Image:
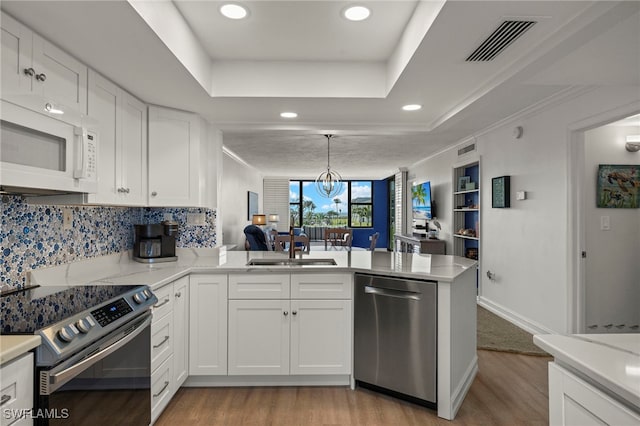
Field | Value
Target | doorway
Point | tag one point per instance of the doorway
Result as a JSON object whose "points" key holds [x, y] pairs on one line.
{"points": [[605, 239]]}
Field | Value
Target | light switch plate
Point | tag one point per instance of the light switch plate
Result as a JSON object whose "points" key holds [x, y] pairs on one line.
{"points": [[167, 216], [67, 218], [605, 223], [521, 195]]}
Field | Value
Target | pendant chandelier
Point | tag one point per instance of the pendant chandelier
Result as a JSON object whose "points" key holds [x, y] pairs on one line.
{"points": [[329, 183]]}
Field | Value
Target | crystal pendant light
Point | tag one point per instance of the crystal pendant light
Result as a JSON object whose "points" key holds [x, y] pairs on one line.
{"points": [[329, 183]]}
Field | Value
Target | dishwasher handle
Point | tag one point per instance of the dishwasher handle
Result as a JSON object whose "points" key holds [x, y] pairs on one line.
{"points": [[398, 294]]}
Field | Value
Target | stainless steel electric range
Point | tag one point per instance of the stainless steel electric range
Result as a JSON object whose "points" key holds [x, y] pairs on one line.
{"points": [[93, 366]]}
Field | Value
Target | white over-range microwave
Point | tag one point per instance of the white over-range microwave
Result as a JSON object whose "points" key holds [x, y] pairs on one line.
{"points": [[39, 153]]}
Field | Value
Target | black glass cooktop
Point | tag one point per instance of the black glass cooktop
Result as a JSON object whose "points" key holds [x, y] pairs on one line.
{"points": [[28, 310]]}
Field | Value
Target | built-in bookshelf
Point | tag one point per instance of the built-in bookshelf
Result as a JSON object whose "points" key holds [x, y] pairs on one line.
{"points": [[466, 210]]}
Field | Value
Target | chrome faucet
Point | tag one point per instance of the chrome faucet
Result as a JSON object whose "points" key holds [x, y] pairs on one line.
{"points": [[292, 244]]}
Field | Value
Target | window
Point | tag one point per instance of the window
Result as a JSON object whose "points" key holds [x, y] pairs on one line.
{"points": [[294, 202], [361, 207], [353, 207]]}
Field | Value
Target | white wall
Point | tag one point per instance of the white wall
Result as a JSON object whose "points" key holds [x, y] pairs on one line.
{"points": [[612, 267], [237, 180], [526, 246]]}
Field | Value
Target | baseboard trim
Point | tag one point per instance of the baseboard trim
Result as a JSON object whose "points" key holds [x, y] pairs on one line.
{"points": [[229, 381], [518, 320], [464, 386]]}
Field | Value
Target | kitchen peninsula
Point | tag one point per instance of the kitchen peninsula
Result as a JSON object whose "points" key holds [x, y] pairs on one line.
{"points": [[216, 280]]}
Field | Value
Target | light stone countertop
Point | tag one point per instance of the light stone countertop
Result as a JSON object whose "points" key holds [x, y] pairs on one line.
{"points": [[12, 347], [121, 269], [611, 360]]}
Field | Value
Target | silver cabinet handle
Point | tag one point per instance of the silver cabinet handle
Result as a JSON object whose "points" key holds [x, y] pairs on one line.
{"points": [[127, 190], [294, 312], [161, 343], [164, 302], [178, 294], [41, 77], [121, 190], [285, 313], [30, 72], [5, 399], [155, 395], [154, 193]]}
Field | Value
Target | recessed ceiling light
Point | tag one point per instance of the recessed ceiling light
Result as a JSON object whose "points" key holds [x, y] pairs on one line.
{"points": [[288, 114], [356, 13], [412, 107], [234, 11]]}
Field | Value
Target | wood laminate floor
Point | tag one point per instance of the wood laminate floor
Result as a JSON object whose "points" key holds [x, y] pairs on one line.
{"points": [[509, 389]]}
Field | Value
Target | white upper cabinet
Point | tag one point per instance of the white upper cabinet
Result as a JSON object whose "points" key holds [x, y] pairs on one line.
{"points": [[35, 72], [180, 150], [122, 159]]}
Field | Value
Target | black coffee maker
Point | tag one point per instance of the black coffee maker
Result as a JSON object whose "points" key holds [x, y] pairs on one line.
{"points": [[155, 242]]}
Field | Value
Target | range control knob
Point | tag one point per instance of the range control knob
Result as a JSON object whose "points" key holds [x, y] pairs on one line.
{"points": [[66, 334], [147, 293], [139, 297], [83, 325]]}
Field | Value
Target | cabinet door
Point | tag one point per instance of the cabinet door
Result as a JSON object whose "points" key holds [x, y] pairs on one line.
{"points": [[572, 402], [173, 157], [161, 388], [180, 331], [132, 164], [103, 106], [17, 390], [17, 41], [208, 325], [64, 78], [321, 336], [161, 340], [258, 337]]}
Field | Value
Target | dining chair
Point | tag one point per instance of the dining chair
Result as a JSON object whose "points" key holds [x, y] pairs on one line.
{"points": [[374, 240]]}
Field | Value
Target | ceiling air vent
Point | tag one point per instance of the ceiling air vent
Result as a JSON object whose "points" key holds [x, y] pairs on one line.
{"points": [[502, 37], [466, 149]]}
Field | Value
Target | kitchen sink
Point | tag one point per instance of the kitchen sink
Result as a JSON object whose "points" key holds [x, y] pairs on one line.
{"points": [[292, 262]]}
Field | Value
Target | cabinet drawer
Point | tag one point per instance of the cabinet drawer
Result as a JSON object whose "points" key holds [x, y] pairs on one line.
{"points": [[161, 341], [17, 388], [259, 286], [321, 286], [161, 388], [164, 305]]}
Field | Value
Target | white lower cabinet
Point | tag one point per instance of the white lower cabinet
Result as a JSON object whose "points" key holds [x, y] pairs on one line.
{"points": [[574, 402], [161, 389], [291, 336], [169, 343], [16, 390], [208, 325], [258, 337], [320, 337]]}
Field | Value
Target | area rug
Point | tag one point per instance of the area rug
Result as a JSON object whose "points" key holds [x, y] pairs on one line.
{"points": [[497, 334]]}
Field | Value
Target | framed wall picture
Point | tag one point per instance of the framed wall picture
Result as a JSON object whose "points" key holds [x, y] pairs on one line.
{"points": [[500, 188], [252, 204], [463, 181], [618, 186]]}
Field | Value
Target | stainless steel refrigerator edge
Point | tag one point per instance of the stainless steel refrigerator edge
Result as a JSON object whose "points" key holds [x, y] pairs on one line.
{"points": [[395, 343]]}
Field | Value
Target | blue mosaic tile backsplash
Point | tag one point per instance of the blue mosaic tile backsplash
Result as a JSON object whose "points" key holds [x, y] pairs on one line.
{"points": [[32, 236]]}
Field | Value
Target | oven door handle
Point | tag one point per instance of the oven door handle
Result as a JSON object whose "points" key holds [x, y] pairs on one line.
{"points": [[60, 378]]}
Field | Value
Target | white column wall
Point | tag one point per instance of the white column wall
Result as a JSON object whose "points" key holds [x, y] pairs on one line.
{"points": [[237, 180]]}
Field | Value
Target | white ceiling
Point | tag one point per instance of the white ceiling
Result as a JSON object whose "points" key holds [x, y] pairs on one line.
{"points": [[345, 78]]}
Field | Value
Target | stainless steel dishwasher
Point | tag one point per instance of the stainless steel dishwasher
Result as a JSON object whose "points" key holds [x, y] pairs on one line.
{"points": [[395, 337]]}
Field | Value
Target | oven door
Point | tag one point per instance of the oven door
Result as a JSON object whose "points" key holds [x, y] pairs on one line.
{"points": [[108, 383]]}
